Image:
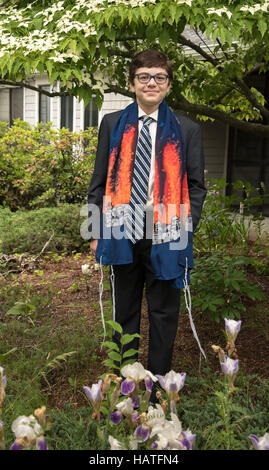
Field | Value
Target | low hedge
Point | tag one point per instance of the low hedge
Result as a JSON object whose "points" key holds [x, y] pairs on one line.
{"points": [[28, 231]]}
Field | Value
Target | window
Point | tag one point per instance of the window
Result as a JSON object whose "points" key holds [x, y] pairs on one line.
{"points": [[11, 104], [44, 105], [67, 112], [249, 162], [91, 114]]}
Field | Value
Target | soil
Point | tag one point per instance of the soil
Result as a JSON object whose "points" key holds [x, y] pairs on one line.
{"points": [[252, 342]]}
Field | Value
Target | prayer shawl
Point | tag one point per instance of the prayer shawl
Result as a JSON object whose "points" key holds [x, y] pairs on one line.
{"points": [[171, 252]]}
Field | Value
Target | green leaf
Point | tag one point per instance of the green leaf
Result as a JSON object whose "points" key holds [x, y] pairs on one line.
{"points": [[109, 363], [157, 11], [116, 326], [114, 355], [111, 345], [99, 100], [110, 34], [103, 50], [92, 48], [125, 339], [104, 410], [20, 308], [164, 38], [129, 353], [151, 32], [73, 44], [77, 74], [262, 26]]}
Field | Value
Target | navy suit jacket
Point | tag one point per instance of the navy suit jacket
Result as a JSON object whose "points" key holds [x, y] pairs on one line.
{"points": [[192, 136]]}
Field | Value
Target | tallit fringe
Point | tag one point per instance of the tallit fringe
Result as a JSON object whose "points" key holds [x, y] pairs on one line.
{"points": [[187, 295]]}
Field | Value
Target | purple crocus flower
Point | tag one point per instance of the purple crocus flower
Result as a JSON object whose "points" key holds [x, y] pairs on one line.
{"points": [[260, 443], [142, 432], [16, 446], [41, 443], [172, 382], [135, 417], [116, 417], [94, 394], [230, 368], [188, 439], [148, 383], [135, 402], [127, 386]]}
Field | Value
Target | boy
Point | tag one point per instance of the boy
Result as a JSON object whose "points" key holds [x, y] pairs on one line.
{"points": [[149, 167]]}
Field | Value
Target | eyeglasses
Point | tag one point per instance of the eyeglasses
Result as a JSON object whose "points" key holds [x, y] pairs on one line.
{"points": [[160, 78]]}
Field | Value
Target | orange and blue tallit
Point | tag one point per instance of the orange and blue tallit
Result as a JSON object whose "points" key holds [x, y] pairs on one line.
{"points": [[171, 253]]}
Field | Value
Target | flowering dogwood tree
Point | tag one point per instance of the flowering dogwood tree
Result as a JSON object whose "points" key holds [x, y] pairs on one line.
{"points": [[216, 48]]}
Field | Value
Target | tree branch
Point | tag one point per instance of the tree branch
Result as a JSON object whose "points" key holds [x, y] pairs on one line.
{"points": [[186, 42], [205, 43], [241, 83], [31, 87], [119, 90], [256, 68], [251, 98], [181, 104], [118, 53]]}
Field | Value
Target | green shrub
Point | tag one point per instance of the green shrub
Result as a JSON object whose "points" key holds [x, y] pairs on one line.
{"points": [[42, 167], [28, 231], [219, 284], [220, 227]]}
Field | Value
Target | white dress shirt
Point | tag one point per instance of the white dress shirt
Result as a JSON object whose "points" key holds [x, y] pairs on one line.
{"points": [[152, 130]]}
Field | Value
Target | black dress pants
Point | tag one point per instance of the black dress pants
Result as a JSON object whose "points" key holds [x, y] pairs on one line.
{"points": [[163, 307]]}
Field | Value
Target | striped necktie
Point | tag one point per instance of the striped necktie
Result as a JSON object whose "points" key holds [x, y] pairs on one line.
{"points": [[136, 218]]}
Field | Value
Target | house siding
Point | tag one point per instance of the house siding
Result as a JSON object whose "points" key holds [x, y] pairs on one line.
{"points": [[113, 102], [4, 108], [30, 106]]}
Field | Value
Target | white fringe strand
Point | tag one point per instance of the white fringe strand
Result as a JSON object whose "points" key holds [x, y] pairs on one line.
{"points": [[112, 278], [188, 305], [101, 288]]}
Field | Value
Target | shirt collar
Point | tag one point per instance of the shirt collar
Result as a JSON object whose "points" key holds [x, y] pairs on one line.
{"points": [[153, 115]]}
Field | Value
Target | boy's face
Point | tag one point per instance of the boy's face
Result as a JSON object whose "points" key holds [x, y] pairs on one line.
{"points": [[150, 95]]}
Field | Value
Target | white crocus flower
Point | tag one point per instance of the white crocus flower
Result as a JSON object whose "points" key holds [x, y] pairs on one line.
{"points": [[169, 434], [126, 407], [232, 329], [137, 372], [115, 444], [155, 416], [260, 443], [85, 269], [27, 428]]}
